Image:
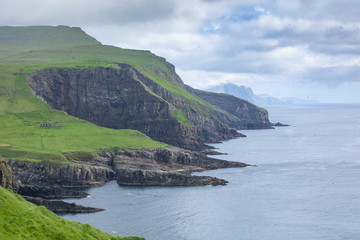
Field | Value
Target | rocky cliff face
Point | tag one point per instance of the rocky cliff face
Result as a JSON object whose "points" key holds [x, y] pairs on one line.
{"points": [[249, 116], [114, 98], [211, 124], [125, 98], [60, 175]]}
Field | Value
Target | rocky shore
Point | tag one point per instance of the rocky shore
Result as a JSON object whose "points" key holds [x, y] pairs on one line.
{"points": [[40, 182], [162, 167]]}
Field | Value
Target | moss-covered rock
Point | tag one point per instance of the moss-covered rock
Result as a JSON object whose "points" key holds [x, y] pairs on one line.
{"points": [[5, 175]]}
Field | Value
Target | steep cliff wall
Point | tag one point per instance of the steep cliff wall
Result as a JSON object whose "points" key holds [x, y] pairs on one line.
{"points": [[211, 123], [113, 98], [125, 98], [249, 116], [229, 111]]}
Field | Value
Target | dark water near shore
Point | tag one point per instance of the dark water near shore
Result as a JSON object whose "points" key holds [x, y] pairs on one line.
{"points": [[306, 186]]}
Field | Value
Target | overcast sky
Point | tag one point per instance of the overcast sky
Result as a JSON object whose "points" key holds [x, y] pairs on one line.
{"points": [[298, 48]]}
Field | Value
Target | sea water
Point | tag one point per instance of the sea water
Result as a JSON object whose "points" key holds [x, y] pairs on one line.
{"points": [[306, 185]]}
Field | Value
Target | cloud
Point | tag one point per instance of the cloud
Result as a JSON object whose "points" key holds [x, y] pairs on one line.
{"points": [[84, 12], [334, 76]]}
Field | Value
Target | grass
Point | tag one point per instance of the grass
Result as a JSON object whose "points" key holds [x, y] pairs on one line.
{"points": [[22, 138], [20, 39], [20, 219]]}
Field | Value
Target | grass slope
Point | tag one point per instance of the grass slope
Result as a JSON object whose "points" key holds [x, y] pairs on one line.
{"points": [[20, 219], [21, 113]]}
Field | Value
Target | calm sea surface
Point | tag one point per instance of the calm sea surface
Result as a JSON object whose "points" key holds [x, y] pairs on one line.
{"points": [[306, 186]]}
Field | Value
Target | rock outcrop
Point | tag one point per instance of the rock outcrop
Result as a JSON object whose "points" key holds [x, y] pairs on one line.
{"points": [[42, 174], [166, 167], [249, 116], [36, 194], [61, 206], [5, 175], [163, 178], [162, 167]]}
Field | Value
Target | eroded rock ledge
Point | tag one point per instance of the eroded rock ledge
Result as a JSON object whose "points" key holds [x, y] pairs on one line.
{"points": [[162, 167], [38, 182]]}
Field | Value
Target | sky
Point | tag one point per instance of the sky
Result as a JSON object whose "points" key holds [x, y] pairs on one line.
{"points": [[300, 48]]}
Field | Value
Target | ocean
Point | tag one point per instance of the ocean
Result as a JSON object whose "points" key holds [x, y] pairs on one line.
{"points": [[305, 185]]}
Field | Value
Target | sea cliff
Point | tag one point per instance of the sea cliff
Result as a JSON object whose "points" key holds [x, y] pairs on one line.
{"points": [[125, 98]]}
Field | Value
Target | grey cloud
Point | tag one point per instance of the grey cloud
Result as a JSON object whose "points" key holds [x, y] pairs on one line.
{"points": [[334, 40], [344, 10], [120, 12], [85, 12]]}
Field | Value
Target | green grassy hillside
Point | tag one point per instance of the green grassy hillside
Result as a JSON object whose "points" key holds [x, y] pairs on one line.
{"points": [[23, 50], [21, 113], [21, 220]]}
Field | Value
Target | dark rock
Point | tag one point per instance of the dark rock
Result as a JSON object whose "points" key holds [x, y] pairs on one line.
{"points": [[42, 174], [162, 178], [114, 98], [49, 192], [279, 124], [167, 167], [248, 115], [144, 166], [61, 206]]}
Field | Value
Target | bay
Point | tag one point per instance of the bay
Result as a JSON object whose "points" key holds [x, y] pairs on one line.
{"points": [[305, 186]]}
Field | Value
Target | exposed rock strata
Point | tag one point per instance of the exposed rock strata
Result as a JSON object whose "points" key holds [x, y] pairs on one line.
{"points": [[167, 167], [136, 167], [114, 98], [60, 175], [209, 121], [162, 178], [36, 194]]}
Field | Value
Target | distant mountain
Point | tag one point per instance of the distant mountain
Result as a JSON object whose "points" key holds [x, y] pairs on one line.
{"points": [[247, 94]]}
